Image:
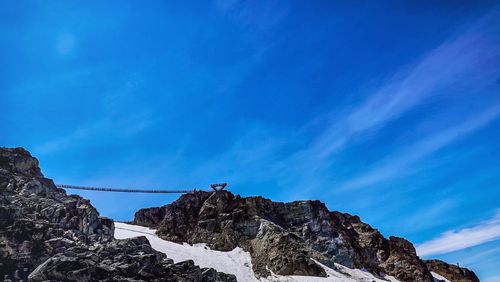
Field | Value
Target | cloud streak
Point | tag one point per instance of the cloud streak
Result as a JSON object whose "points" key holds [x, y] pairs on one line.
{"points": [[464, 59], [392, 166], [455, 240], [411, 87]]}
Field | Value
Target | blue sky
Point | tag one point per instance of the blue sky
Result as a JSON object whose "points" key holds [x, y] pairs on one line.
{"points": [[387, 110]]}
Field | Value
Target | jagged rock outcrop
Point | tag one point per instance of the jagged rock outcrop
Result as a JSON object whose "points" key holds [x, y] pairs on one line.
{"points": [[284, 238], [120, 260], [403, 261], [48, 235], [450, 271]]}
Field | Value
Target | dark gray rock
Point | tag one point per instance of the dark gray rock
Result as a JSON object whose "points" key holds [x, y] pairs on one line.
{"points": [[130, 259], [285, 238], [48, 235]]}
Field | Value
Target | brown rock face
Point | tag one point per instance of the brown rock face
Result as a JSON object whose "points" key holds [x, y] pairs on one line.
{"points": [[404, 263], [48, 235], [285, 238], [450, 271]]}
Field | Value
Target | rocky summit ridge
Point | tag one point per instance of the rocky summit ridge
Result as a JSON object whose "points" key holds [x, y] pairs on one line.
{"points": [[288, 238], [47, 235]]}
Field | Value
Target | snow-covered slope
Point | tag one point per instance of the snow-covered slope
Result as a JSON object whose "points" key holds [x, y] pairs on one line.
{"points": [[236, 262]]}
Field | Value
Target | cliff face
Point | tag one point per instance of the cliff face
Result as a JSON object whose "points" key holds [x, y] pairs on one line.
{"points": [[284, 238], [48, 235]]}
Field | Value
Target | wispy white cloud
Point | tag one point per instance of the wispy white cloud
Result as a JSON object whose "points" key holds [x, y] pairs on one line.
{"points": [[464, 59], [455, 240], [408, 88], [394, 165]]}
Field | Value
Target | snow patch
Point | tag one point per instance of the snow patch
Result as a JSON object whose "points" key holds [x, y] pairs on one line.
{"points": [[237, 261], [439, 278]]}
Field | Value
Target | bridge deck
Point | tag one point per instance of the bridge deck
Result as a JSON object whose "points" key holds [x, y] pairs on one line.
{"points": [[105, 189]]}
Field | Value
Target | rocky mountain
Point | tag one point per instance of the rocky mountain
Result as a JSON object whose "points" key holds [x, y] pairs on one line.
{"points": [[46, 234], [289, 238]]}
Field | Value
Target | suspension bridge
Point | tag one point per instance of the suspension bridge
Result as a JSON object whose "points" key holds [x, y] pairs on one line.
{"points": [[215, 187]]}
